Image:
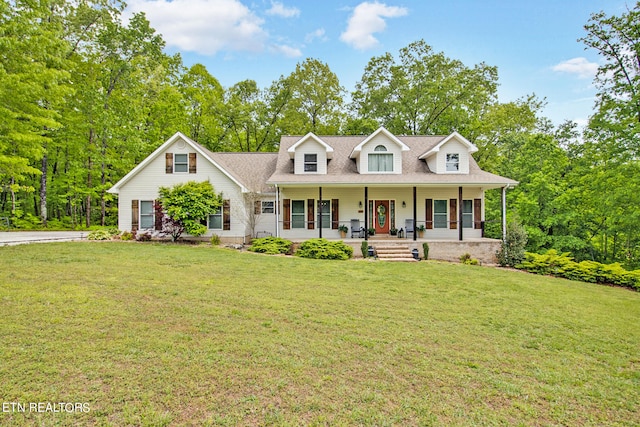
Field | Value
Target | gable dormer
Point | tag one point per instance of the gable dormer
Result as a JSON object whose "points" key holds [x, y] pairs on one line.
{"points": [[380, 152], [310, 155], [450, 156]]}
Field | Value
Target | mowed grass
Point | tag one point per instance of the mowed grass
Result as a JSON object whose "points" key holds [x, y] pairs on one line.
{"points": [[161, 334]]}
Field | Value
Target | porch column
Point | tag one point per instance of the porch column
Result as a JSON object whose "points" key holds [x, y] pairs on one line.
{"points": [[415, 214], [504, 214], [460, 213], [319, 213], [277, 210], [366, 213]]}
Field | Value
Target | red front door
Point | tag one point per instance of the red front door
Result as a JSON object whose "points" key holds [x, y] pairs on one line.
{"points": [[381, 216]]}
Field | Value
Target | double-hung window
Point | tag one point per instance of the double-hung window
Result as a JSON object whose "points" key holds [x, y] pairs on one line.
{"points": [[267, 207], [467, 213], [146, 214], [453, 162], [311, 163], [380, 160], [181, 163], [439, 214], [215, 219], [324, 213], [297, 214]]}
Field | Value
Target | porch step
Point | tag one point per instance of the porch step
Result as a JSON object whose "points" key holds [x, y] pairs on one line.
{"points": [[394, 253]]}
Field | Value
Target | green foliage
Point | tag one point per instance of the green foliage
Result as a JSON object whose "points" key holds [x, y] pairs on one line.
{"points": [[466, 259], [215, 240], [364, 248], [190, 203], [324, 249], [425, 250], [127, 235], [562, 265], [100, 235], [512, 250], [271, 245]]}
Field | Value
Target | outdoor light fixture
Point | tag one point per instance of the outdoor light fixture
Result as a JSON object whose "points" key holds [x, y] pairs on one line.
{"points": [[404, 205], [360, 205]]}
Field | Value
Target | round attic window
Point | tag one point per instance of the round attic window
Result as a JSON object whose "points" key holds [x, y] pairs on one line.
{"points": [[181, 145]]}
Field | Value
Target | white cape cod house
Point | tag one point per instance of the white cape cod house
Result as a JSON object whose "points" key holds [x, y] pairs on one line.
{"points": [[315, 184]]}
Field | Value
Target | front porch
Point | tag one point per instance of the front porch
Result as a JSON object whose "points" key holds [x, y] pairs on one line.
{"points": [[482, 249]]}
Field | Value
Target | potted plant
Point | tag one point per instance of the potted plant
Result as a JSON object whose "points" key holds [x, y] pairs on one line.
{"points": [[372, 231], [343, 229], [421, 229], [393, 231]]}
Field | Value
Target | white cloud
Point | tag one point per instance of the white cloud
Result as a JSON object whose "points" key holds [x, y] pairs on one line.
{"points": [[366, 20], [204, 26], [288, 51], [579, 66], [317, 34], [279, 9]]}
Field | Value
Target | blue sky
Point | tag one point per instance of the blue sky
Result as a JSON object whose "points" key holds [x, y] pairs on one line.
{"points": [[533, 44]]}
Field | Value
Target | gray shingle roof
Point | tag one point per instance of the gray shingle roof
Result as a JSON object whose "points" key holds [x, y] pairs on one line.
{"points": [[341, 169]]}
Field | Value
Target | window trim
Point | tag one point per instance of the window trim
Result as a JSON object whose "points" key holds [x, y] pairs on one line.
{"points": [[148, 215], [379, 152], [176, 163], [467, 217], [217, 214], [299, 216], [325, 216], [445, 214], [311, 163], [450, 164], [267, 207]]}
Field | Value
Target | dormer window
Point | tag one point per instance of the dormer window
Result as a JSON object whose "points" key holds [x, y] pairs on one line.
{"points": [[453, 162], [180, 163], [380, 160], [311, 163]]}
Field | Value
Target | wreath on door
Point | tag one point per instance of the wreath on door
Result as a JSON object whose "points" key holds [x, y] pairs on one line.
{"points": [[382, 215]]}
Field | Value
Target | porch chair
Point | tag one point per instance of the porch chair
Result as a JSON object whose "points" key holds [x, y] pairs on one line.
{"points": [[356, 229], [408, 227]]}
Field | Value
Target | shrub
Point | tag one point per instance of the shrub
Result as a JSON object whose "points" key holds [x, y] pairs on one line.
{"points": [[143, 237], [271, 245], [99, 235], [215, 240], [364, 247], [324, 249], [466, 259], [563, 265], [425, 250], [127, 235], [511, 252]]}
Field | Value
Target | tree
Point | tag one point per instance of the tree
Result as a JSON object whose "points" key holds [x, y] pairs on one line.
{"points": [[190, 204], [423, 93], [203, 97], [617, 40], [316, 99]]}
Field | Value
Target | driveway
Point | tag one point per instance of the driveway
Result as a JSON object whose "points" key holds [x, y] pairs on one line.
{"points": [[20, 237]]}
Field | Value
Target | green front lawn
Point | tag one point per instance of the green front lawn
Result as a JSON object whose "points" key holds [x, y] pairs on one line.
{"points": [[162, 334]]}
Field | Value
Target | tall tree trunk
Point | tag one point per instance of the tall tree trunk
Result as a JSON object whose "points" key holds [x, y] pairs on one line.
{"points": [[43, 190], [13, 196], [89, 183], [103, 181]]}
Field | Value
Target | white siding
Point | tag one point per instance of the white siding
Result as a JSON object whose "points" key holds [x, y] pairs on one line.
{"points": [[451, 147], [144, 186], [310, 146]]}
